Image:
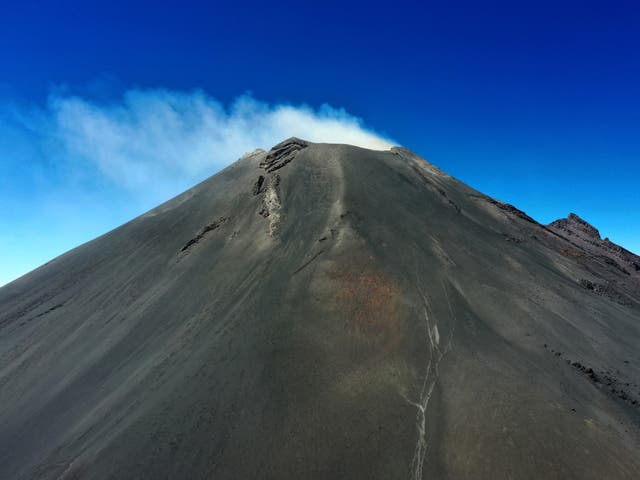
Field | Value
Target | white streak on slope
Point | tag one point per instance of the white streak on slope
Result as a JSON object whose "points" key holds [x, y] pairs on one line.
{"points": [[435, 355]]}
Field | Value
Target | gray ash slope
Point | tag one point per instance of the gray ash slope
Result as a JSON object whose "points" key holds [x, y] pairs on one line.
{"points": [[325, 311]]}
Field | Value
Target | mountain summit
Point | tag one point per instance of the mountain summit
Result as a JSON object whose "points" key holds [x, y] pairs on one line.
{"points": [[574, 225], [324, 311], [587, 237]]}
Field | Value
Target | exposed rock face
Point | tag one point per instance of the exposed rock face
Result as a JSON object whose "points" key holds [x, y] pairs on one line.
{"points": [[271, 204], [326, 312], [282, 154], [573, 225], [512, 210], [206, 229], [257, 187], [587, 237]]}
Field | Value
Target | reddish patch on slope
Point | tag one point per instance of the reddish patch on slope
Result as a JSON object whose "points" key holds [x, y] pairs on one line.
{"points": [[571, 253], [370, 302]]}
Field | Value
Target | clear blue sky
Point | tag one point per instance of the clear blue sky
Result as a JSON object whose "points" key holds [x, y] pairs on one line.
{"points": [[535, 103]]}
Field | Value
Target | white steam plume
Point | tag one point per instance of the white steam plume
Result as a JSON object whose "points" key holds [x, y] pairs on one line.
{"points": [[154, 136]]}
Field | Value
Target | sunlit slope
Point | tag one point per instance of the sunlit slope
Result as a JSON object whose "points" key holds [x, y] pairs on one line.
{"points": [[323, 311]]}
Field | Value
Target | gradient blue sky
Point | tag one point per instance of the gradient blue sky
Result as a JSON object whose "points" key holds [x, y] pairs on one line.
{"points": [[535, 103]]}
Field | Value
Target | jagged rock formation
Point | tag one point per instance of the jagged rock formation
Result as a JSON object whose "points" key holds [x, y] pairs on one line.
{"points": [[325, 311], [282, 154], [573, 225], [206, 229], [587, 237], [612, 271]]}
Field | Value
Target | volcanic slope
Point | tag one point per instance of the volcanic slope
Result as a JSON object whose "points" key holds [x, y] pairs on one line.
{"points": [[325, 311]]}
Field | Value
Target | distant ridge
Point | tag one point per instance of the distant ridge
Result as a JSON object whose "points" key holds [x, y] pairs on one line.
{"points": [[581, 233]]}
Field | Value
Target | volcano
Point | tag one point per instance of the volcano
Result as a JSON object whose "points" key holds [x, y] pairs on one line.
{"points": [[324, 311]]}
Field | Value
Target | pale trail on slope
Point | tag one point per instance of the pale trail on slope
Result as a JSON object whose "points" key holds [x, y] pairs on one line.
{"points": [[436, 353]]}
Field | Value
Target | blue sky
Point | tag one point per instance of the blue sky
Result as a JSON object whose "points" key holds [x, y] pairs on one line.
{"points": [[537, 104]]}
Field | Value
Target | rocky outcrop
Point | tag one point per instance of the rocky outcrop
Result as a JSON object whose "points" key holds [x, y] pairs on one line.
{"points": [[507, 207], [271, 204], [584, 235], [206, 229], [573, 225], [282, 154], [257, 187]]}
